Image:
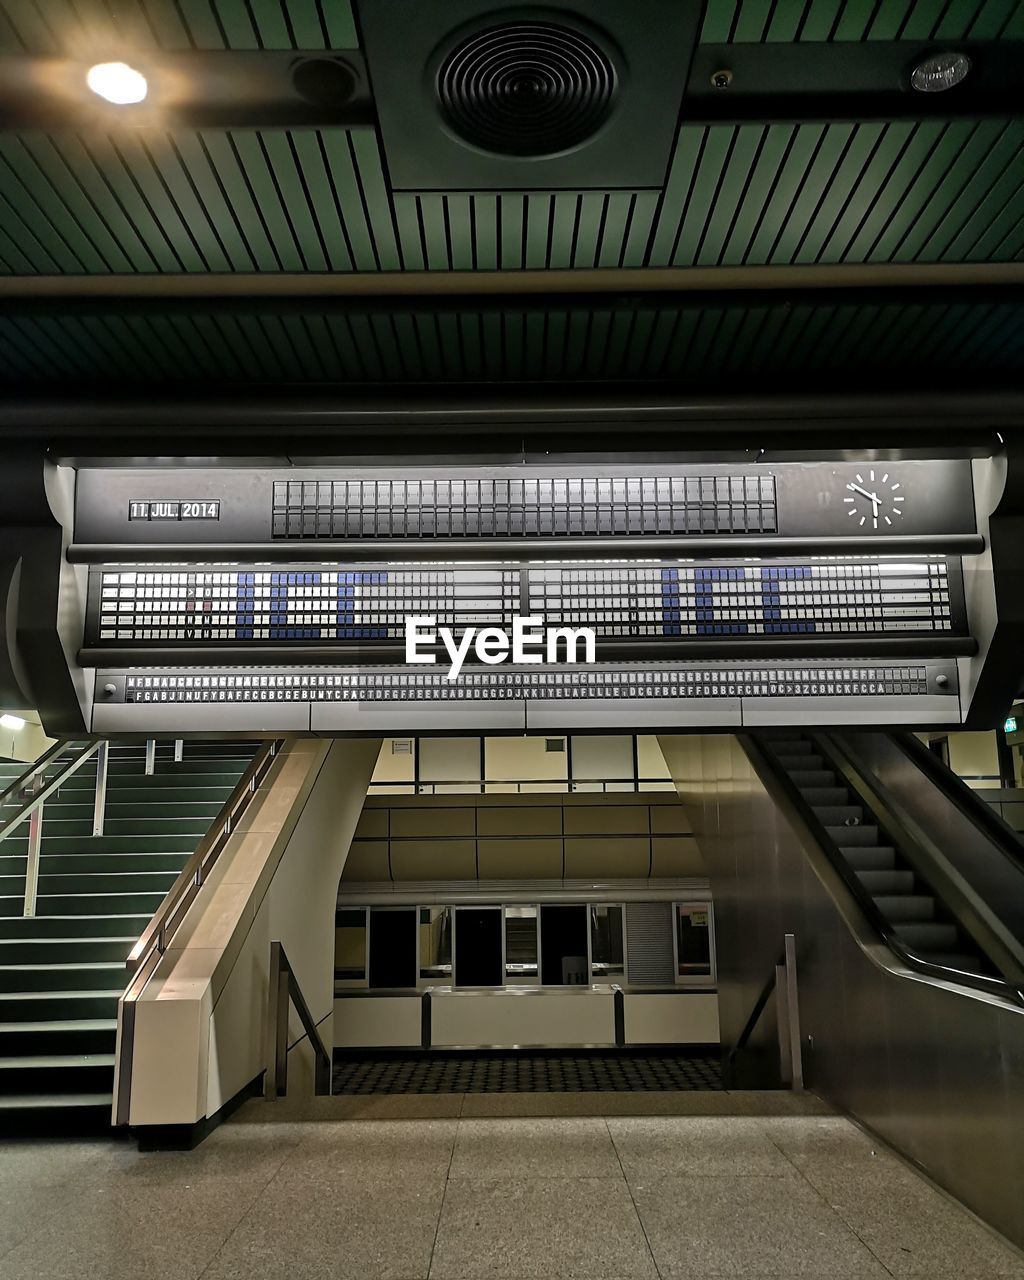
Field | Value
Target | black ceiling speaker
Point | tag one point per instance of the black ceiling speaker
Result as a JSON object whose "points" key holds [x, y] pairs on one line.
{"points": [[476, 97]]}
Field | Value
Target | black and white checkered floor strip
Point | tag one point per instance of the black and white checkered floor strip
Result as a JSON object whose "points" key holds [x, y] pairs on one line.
{"points": [[525, 1073]]}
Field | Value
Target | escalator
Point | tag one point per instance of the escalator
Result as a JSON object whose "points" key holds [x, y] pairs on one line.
{"points": [[884, 812]]}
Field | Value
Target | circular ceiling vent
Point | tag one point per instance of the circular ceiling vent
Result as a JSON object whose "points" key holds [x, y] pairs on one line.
{"points": [[527, 88]]}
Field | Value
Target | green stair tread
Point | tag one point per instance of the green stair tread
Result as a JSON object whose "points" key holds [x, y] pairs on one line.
{"points": [[76, 994], [56, 1061], [60, 1024], [36, 1101], [72, 966]]}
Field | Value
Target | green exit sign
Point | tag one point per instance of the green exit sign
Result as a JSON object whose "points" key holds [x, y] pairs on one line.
{"points": [[1010, 724]]}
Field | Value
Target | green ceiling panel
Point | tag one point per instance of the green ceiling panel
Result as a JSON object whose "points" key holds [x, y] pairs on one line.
{"points": [[309, 200], [79, 28], [702, 346], [769, 21]]}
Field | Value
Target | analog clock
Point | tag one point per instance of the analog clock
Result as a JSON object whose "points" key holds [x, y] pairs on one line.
{"points": [[874, 500]]}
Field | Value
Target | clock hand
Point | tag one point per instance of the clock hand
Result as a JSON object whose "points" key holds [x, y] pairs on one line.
{"points": [[872, 497]]}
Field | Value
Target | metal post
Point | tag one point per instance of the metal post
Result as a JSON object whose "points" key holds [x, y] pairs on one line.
{"points": [[99, 809], [782, 1026], [150, 756], [179, 750], [276, 1084], [793, 1014], [35, 839]]}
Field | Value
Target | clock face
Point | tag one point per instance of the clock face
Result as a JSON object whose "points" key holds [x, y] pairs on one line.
{"points": [[874, 500]]}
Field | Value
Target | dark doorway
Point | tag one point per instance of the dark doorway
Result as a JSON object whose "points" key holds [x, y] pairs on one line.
{"points": [[563, 946], [393, 947]]}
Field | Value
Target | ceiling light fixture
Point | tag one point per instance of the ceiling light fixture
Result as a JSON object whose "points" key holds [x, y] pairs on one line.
{"points": [[8, 721], [118, 83], [940, 72]]}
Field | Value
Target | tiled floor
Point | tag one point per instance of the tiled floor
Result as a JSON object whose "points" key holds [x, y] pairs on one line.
{"points": [[462, 1187]]}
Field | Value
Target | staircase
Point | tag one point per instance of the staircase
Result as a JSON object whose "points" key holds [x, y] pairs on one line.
{"points": [[63, 970], [909, 906]]}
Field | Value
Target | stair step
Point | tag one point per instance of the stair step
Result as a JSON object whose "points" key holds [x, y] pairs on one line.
{"points": [[59, 977], [57, 1073], [869, 858], [68, 1035], [119, 844], [107, 926], [812, 778], [928, 936], [886, 882], [99, 903], [854, 837], [108, 882], [839, 815], [50, 950], [43, 1006], [83, 863], [816, 796], [801, 763], [58, 826], [21, 1101], [905, 907]]}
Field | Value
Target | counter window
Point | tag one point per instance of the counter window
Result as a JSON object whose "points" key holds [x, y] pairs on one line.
{"points": [[693, 939], [520, 945], [436, 944], [607, 958]]}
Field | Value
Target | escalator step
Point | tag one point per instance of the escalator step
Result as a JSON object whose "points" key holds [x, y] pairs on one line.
{"points": [[905, 907], [854, 837], [886, 882], [928, 936], [874, 858], [839, 815]]}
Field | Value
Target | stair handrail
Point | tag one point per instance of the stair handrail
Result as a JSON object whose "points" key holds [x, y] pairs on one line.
{"points": [[145, 955], [38, 795], [168, 916], [783, 982], [782, 789], [284, 988]]}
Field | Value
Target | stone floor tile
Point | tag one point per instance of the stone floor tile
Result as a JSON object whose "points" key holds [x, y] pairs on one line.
{"points": [[907, 1223], [373, 1149], [534, 1148], [748, 1226], [537, 1228], [376, 1230], [663, 1146], [122, 1233]]}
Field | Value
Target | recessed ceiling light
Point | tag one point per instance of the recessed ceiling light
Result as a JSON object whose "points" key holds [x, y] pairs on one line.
{"points": [[940, 72], [11, 722], [118, 83]]}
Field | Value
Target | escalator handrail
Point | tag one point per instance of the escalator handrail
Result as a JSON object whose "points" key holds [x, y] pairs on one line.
{"points": [[775, 778], [978, 811]]}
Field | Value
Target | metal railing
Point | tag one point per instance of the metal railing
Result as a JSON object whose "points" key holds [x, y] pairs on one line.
{"points": [[285, 990], [498, 786], [26, 798], [145, 955], [783, 983]]}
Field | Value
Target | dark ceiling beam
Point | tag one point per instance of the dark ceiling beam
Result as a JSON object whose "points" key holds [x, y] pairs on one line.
{"points": [[467, 287]]}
